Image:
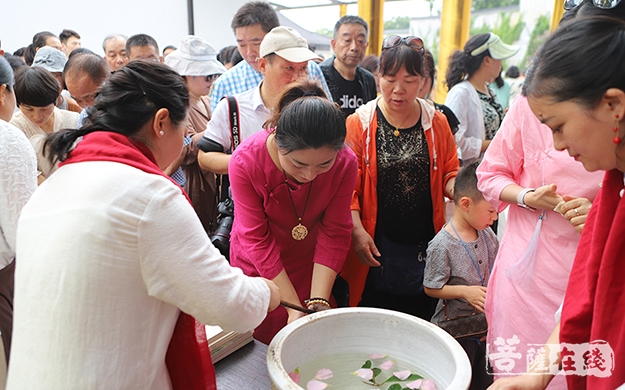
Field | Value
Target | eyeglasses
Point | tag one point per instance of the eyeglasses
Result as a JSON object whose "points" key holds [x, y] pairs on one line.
{"points": [[415, 43], [603, 4], [212, 77]]}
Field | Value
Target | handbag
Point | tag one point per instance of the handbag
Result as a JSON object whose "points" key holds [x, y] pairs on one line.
{"points": [[464, 327]]}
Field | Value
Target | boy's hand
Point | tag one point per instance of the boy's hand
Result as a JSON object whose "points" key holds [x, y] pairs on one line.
{"points": [[476, 296]]}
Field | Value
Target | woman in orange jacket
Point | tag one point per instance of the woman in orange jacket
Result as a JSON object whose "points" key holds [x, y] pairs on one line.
{"points": [[407, 163]]}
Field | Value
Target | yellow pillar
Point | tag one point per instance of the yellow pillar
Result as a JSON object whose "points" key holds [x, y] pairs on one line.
{"points": [[373, 12], [556, 15], [455, 24], [342, 10]]}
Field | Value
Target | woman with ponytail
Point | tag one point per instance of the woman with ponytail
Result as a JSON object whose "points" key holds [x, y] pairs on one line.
{"points": [[470, 97], [106, 291]]}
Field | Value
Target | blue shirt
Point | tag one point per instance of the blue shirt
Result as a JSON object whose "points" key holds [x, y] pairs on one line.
{"points": [[243, 77], [179, 176]]}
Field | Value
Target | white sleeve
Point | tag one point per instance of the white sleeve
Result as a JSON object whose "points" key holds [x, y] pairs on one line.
{"points": [[18, 181], [218, 128], [180, 266], [469, 146]]}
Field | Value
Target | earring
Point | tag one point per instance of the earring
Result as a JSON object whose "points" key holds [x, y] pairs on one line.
{"points": [[617, 139], [163, 133]]}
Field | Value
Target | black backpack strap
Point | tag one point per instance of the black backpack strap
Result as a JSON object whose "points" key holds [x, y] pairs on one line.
{"points": [[233, 108]]}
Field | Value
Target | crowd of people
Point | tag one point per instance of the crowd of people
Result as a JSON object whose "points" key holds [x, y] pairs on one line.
{"points": [[124, 174]]}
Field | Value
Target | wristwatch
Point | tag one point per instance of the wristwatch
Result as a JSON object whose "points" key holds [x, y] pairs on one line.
{"points": [[519, 198]]}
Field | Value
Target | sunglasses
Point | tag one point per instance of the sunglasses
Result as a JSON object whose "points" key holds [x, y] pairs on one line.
{"points": [[603, 4], [415, 43], [212, 77]]}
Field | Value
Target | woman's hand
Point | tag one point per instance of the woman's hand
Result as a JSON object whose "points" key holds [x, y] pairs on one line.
{"points": [[476, 296], [274, 291], [318, 307], [575, 210], [293, 315], [365, 247], [543, 198]]}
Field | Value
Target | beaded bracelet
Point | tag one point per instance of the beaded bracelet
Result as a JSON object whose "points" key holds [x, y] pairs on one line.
{"points": [[314, 300]]}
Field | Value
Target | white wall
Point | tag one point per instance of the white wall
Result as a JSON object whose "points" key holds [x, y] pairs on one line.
{"points": [[165, 20]]}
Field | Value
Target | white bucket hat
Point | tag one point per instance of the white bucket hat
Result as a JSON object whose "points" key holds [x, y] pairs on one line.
{"points": [[195, 57], [497, 48], [288, 44], [50, 59]]}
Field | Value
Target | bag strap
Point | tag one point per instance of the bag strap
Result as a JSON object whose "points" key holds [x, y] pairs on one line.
{"points": [[233, 109], [222, 181], [445, 310]]}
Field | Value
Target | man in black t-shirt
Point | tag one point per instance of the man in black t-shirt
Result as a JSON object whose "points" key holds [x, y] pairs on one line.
{"points": [[351, 86]]}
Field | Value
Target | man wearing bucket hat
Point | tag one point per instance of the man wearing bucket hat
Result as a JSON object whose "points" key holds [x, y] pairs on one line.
{"points": [[54, 61], [284, 58], [250, 25], [196, 61], [472, 100]]}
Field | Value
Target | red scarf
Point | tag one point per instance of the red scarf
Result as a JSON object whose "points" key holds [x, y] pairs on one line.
{"points": [[188, 357], [594, 305]]}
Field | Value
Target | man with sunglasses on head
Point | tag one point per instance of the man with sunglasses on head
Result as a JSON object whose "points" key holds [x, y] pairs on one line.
{"points": [[351, 85]]}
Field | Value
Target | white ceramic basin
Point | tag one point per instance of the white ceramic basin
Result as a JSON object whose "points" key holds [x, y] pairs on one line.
{"points": [[401, 336]]}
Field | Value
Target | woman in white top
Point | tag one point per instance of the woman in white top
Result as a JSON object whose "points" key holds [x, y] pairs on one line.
{"points": [[103, 275], [18, 181], [37, 91], [476, 105]]}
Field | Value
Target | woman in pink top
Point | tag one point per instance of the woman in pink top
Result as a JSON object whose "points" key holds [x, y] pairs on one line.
{"points": [[292, 188], [521, 169]]}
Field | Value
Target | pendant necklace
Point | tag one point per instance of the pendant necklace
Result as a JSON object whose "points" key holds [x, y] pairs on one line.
{"points": [[396, 132], [299, 232]]}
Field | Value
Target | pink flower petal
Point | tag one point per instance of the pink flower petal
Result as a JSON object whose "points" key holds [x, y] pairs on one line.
{"points": [[315, 385], [414, 384], [364, 373], [376, 356], [294, 375], [402, 375], [323, 374], [387, 365], [428, 384]]}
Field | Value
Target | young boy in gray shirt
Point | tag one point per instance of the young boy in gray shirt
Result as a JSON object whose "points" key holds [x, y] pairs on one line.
{"points": [[459, 262]]}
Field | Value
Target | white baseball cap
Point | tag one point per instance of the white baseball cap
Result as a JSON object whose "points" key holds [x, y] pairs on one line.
{"points": [[497, 48], [196, 57], [288, 44]]}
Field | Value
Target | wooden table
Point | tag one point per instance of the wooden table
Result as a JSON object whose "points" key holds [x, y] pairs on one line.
{"points": [[244, 369]]}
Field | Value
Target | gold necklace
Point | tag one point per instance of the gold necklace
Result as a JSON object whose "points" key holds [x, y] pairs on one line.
{"points": [[299, 232], [396, 132]]}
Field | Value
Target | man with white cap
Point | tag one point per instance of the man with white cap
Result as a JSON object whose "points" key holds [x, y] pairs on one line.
{"points": [[284, 57], [196, 61], [250, 25], [54, 61]]}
